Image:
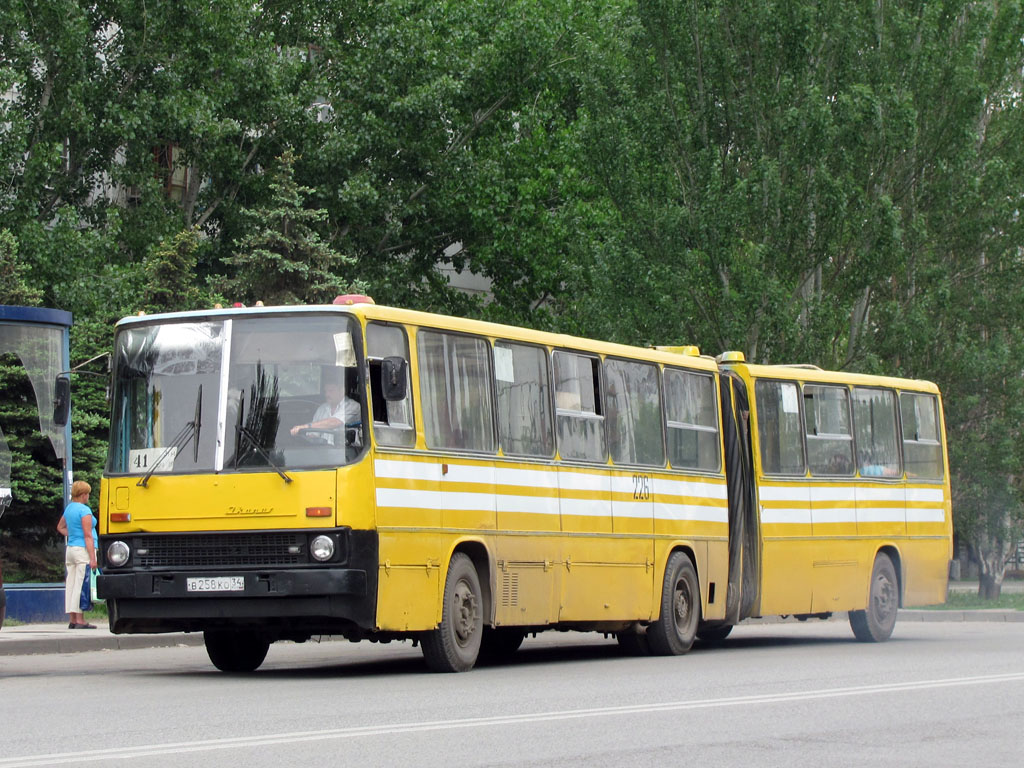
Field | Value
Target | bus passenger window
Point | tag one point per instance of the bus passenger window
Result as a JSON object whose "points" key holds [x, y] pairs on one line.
{"points": [[392, 420], [922, 450], [455, 386], [778, 427], [633, 413], [577, 408], [874, 419], [524, 400], [692, 420], [829, 430]]}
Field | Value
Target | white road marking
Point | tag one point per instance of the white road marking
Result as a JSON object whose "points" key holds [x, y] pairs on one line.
{"points": [[247, 742]]}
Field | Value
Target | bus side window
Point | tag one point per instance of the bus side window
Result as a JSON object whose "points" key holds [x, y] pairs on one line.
{"points": [[874, 419], [692, 421], [778, 427], [829, 430], [580, 423], [455, 386], [392, 420], [922, 449], [522, 383], [633, 408]]}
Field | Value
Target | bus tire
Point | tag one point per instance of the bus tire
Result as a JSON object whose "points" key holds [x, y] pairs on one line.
{"points": [[673, 633], [875, 624], [232, 651], [713, 633], [455, 644]]}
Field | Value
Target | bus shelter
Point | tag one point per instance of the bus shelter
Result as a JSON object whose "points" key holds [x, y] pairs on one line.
{"points": [[39, 339]]}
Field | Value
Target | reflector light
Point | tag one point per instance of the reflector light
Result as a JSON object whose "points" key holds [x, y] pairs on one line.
{"points": [[349, 299], [120, 517], [319, 511]]}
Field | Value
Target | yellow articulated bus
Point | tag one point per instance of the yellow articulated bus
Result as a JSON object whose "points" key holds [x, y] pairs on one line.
{"points": [[377, 473]]}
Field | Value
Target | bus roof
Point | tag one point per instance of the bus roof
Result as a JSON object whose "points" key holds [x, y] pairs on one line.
{"points": [[444, 322], [812, 374]]}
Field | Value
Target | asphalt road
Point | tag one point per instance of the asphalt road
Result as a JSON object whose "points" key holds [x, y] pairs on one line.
{"points": [[937, 694]]}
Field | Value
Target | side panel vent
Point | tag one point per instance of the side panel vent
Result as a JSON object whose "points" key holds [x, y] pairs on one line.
{"points": [[510, 590]]}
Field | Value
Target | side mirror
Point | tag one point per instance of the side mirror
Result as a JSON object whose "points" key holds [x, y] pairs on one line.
{"points": [[393, 378], [5, 500], [61, 400]]}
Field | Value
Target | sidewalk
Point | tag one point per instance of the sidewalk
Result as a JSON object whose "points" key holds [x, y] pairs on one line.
{"points": [[28, 639]]}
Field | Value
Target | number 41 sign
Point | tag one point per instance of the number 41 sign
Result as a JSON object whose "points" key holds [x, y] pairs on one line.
{"points": [[143, 459]]}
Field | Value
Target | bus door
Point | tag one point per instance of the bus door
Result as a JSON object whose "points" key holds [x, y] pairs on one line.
{"points": [[742, 598]]}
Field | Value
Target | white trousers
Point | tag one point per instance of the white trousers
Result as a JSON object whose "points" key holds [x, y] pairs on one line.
{"points": [[75, 558]]}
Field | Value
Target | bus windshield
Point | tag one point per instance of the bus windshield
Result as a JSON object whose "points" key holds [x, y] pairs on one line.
{"points": [[265, 393]]}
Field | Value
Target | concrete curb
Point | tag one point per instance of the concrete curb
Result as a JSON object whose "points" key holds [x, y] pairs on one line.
{"points": [[33, 639], [992, 615]]}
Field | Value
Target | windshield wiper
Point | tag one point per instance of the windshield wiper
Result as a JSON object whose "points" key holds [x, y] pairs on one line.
{"points": [[254, 441], [188, 432]]}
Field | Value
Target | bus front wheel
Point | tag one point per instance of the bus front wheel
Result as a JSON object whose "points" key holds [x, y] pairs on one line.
{"points": [[673, 633], [875, 624], [455, 644], [235, 651]]}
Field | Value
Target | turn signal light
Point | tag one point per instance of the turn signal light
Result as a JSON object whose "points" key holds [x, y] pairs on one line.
{"points": [[319, 511], [120, 517]]}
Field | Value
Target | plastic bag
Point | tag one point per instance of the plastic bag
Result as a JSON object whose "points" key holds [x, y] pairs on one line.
{"points": [[85, 603]]}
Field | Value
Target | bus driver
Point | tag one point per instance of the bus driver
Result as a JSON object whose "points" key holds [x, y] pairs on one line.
{"points": [[337, 412]]}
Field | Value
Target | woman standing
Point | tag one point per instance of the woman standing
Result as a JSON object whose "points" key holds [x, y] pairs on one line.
{"points": [[79, 525]]}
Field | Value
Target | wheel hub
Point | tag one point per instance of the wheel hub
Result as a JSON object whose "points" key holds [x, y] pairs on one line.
{"points": [[681, 605], [883, 597], [464, 612]]}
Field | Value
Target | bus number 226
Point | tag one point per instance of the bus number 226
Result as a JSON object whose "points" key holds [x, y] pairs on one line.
{"points": [[641, 487]]}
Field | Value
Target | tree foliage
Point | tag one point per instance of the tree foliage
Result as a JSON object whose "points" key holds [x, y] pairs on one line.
{"points": [[836, 183]]}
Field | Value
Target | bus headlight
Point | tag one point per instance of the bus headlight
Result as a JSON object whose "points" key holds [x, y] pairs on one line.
{"points": [[117, 553], [322, 548]]}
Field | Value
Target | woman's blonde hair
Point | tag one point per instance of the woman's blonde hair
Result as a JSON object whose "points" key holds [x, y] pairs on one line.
{"points": [[79, 487]]}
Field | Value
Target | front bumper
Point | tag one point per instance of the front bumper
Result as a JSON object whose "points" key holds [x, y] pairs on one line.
{"points": [[280, 600]]}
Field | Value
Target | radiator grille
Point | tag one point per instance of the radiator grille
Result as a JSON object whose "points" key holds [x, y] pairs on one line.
{"points": [[220, 550]]}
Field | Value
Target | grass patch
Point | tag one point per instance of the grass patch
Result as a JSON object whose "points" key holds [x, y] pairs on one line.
{"points": [[967, 601]]}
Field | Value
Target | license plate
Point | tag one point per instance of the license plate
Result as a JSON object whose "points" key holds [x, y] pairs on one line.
{"points": [[215, 584]]}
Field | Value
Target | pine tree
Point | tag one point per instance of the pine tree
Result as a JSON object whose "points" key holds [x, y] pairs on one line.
{"points": [[14, 283], [170, 270], [283, 259]]}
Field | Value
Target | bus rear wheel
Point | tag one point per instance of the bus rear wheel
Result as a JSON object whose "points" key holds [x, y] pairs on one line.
{"points": [[875, 624], [455, 644], [673, 633], [232, 651]]}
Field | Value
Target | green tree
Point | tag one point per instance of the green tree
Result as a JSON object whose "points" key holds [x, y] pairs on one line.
{"points": [[170, 275], [15, 289], [832, 183], [282, 259]]}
